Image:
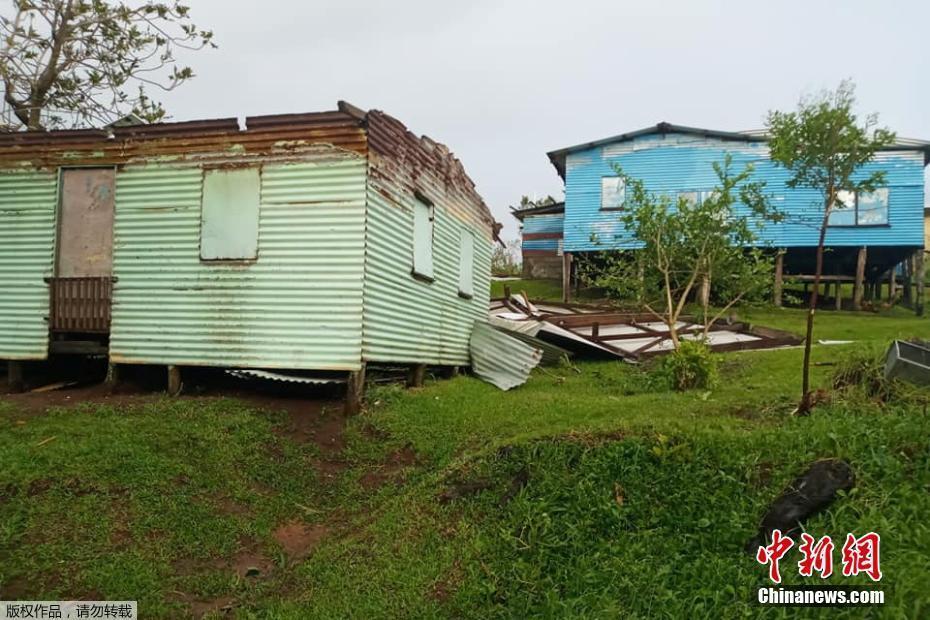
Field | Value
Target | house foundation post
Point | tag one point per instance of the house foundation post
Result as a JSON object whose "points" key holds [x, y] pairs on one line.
{"points": [[416, 375], [566, 277], [779, 278], [355, 391], [919, 274], [174, 380], [14, 373], [860, 278]]}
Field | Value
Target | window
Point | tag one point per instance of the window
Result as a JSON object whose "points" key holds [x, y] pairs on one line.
{"points": [[692, 198], [466, 264], [423, 239], [229, 214], [860, 209], [613, 193]]}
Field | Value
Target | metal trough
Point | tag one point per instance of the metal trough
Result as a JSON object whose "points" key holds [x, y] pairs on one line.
{"points": [[908, 361]]}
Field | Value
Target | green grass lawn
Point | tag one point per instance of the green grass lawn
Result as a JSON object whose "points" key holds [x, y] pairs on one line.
{"points": [[587, 492]]}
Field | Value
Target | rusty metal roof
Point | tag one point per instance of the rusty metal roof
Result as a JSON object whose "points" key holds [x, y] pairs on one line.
{"points": [[348, 127]]}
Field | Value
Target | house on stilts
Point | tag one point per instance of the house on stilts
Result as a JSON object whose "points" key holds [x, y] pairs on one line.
{"points": [[872, 239]]}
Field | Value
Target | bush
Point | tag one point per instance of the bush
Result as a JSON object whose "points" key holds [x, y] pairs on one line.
{"points": [[692, 366], [862, 372]]}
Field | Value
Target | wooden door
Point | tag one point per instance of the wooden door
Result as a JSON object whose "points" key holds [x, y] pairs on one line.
{"points": [[81, 290]]}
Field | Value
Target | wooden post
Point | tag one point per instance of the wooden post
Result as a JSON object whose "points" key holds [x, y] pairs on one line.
{"points": [[860, 277], [596, 331], [14, 373], [779, 277], [566, 277], [907, 297], [174, 380], [355, 391], [919, 274], [415, 375], [506, 291], [838, 294], [112, 379], [892, 285]]}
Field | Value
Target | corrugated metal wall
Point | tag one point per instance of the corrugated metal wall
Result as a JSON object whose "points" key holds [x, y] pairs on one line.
{"points": [[27, 248], [298, 306], [678, 162], [550, 224], [408, 320]]}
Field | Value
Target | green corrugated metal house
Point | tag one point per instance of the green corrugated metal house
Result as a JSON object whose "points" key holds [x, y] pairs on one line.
{"points": [[310, 241]]}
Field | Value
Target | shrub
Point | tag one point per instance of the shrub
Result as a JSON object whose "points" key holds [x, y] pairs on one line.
{"points": [[862, 371], [692, 366]]}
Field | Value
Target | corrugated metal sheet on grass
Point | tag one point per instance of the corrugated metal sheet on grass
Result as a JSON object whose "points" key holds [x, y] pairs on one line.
{"points": [[408, 320], [298, 306], [500, 359], [675, 163], [27, 247]]}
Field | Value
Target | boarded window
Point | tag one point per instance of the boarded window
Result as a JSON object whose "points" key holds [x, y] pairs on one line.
{"points": [[229, 214], [423, 239], [467, 264], [860, 209], [613, 193]]}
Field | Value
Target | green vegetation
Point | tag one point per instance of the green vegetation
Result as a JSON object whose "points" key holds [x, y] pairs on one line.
{"points": [[591, 491]]}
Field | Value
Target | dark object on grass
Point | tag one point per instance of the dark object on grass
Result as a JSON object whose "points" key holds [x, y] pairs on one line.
{"points": [[807, 495]]}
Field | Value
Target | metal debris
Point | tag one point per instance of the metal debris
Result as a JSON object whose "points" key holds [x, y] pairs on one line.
{"points": [[908, 361], [286, 378], [600, 331], [500, 359]]}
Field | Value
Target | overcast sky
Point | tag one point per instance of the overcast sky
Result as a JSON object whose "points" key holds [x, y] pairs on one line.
{"points": [[503, 82]]}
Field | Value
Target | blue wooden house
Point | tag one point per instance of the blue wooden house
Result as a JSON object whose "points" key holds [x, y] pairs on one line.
{"points": [[869, 235]]}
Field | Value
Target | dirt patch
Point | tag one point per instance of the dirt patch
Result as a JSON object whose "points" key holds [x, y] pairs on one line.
{"points": [[35, 403], [16, 589], [230, 507], [445, 587], [396, 462], [248, 563], [298, 539], [200, 607]]}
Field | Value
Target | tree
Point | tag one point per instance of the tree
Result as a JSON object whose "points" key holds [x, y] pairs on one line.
{"points": [[505, 259], [74, 63], [676, 244], [823, 145]]}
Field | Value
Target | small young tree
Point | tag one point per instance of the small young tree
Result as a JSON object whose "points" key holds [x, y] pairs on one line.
{"points": [[73, 63], [676, 244], [824, 145]]}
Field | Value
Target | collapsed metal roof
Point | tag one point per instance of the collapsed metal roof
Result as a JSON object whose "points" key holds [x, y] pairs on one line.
{"points": [[598, 331]]}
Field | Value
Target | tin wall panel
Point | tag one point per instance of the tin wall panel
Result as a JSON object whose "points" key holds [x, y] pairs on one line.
{"points": [[549, 224], [27, 247], [675, 163], [408, 320], [299, 305]]}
